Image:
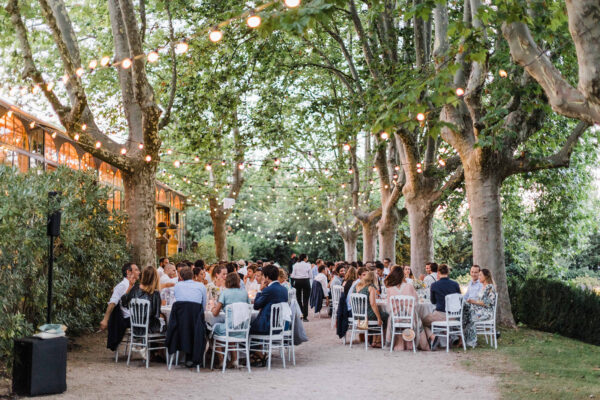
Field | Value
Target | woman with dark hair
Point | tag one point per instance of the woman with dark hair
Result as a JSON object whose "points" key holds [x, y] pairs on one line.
{"points": [[480, 309], [146, 289], [301, 274]]}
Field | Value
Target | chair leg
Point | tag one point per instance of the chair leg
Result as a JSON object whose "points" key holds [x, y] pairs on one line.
{"points": [[448, 340], [129, 351], [293, 353], [226, 351], [248, 356], [282, 353], [212, 359], [351, 335], [367, 339], [392, 340], [269, 360], [147, 354]]}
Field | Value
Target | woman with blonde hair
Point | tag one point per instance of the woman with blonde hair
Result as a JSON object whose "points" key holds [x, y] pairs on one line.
{"points": [[147, 289], [366, 286]]}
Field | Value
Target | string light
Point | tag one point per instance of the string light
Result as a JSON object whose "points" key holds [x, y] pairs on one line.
{"points": [[83, 127], [181, 48], [93, 64], [503, 73], [177, 164], [346, 147], [23, 91], [241, 166], [197, 159], [420, 117], [65, 79], [148, 158], [53, 135], [98, 144], [79, 72], [32, 124], [123, 151], [215, 35], [126, 63], [277, 161], [292, 3], [253, 20], [49, 86], [350, 171], [208, 167], [460, 92], [169, 151], [76, 137], [36, 89], [104, 61], [384, 136], [442, 162], [141, 146], [153, 56], [223, 162], [419, 169]]}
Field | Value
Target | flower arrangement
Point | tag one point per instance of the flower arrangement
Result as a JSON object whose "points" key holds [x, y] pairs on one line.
{"points": [[418, 284], [213, 290]]}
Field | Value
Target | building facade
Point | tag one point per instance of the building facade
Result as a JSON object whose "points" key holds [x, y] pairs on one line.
{"points": [[27, 142]]}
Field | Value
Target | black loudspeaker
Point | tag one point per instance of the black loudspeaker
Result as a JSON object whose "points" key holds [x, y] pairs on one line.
{"points": [[53, 219], [40, 366]]}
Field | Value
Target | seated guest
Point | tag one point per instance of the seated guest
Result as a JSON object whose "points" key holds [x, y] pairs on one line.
{"points": [[283, 279], [366, 286], [147, 289], [199, 275], [396, 285], [234, 267], [322, 279], [250, 279], [271, 293], [349, 279], [218, 276], [439, 290], [189, 290], [167, 283], [408, 275], [243, 269], [481, 308], [338, 277], [162, 262], [475, 284], [431, 269], [379, 276], [131, 274], [360, 274], [387, 266]]}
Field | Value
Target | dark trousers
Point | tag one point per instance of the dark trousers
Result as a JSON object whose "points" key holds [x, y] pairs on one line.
{"points": [[303, 294]]}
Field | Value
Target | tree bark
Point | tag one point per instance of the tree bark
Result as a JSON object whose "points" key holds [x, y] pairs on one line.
{"points": [[369, 234], [220, 233], [386, 229], [350, 241], [483, 195], [420, 220], [140, 196]]}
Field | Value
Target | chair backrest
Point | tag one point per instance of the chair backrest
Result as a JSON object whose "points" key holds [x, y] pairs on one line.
{"points": [[402, 308], [230, 317], [276, 319], [454, 303], [140, 313], [291, 295], [359, 305], [336, 293]]}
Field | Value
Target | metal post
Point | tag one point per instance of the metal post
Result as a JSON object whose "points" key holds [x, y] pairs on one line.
{"points": [[50, 265]]}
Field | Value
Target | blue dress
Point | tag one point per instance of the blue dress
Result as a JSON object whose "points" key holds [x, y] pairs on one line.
{"points": [[230, 296]]}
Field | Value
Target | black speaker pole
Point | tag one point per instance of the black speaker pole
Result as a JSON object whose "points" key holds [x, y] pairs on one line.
{"points": [[50, 265]]}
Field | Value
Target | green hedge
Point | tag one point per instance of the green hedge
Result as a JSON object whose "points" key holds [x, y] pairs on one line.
{"points": [[89, 252], [557, 307]]}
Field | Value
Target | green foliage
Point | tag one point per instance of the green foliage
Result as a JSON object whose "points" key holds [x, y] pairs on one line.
{"points": [[554, 306], [89, 252], [205, 249]]}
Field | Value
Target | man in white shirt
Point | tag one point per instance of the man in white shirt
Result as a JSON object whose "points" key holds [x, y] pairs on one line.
{"points": [[431, 278], [322, 279], [301, 277], [167, 282], [162, 262], [475, 285], [131, 274], [386, 266], [243, 270]]}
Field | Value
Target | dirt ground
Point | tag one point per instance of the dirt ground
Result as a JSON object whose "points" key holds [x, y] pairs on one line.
{"points": [[325, 369]]}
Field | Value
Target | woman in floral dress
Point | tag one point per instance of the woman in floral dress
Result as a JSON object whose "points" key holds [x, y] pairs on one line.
{"points": [[480, 309]]}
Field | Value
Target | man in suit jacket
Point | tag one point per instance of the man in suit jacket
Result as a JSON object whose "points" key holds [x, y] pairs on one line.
{"points": [[271, 293]]}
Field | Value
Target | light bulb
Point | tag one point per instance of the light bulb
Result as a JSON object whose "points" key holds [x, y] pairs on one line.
{"points": [[54, 135], [215, 35], [23, 91], [169, 152], [141, 146], [36, 89], [240, 166], [177, 164], [181, 47], [104, 61], [49, 86], [253, 20], [420, 117], [197, 159], [346, 147], [123, 151], [79, 72], [32, 124], [65, 79], [208, 167], [153, 56], [83, 127], [126, 63], [384, 136], [98, 145], [148, 158], [442, 162], [292, 3], [503, 73], [93, 64], [76, 137]]}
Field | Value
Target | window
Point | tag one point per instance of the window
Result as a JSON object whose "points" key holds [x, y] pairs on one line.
{"points": [[117, 200], [68, 156], [162, 196], [105, 173], [118, 179], [12, 132], [87, 162], [50, 152], [22, 163], [37, 142]]}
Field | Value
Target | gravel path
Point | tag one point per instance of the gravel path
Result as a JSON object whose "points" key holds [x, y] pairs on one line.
{"points": [[325, 370]]}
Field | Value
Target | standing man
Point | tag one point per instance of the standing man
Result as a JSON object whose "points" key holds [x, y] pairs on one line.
{"points": [[301, 276], [475, 285]]}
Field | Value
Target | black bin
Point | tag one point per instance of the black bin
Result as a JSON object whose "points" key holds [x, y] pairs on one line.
{"points": [[40, 366]]}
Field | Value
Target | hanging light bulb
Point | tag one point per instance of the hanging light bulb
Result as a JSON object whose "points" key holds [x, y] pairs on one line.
{"points": [[53, 135], [350, 171], [346, 147], [384, 136], [141, 146], [76, 136], [123, 151], [148, 158], [442, 163], [253, 20], [197, 159], [79, 72], [208, 167], [93, 64], [223, 162], [49, 86], [503, 73], [215, 35], [177, 164], [104, 61], [397, 168], [126, 63], [169, 151], [98, 144], [371, 181], [420, 117], [292, 3], [460, 91], [83, 127], [181, 48], [275, 168], [419, 169], [153, 56], [32, 124], [35, 89], [277, 162], [23, 91]]}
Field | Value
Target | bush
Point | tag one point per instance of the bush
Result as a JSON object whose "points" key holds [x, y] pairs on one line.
{"points": [[88, 254], [205, 250], [557, 307]]}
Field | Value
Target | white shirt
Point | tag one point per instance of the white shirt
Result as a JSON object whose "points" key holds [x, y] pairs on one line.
{"points": [[430, 279], [301, 270], [117, 293], [161, 271], [252, 285], [322, 279], [473, 290], [243, 270]]}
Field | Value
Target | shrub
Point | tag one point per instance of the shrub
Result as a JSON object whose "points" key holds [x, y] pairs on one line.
{"points": [[557, 307], [88, 254], [205, 250]]}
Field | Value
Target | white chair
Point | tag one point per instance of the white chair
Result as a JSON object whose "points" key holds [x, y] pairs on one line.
{"points": [[275, 338], [403, 317], [234, 334], [292, 296], [488, 327], [359, 313], [288, 340], [453, 323], [140, 337], [336, 293]]}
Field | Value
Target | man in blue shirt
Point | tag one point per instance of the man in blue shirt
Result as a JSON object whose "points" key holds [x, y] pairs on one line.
{"points": [[189, 290], [439, 290], [474, 285]]}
